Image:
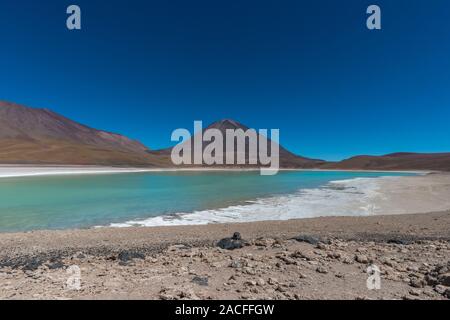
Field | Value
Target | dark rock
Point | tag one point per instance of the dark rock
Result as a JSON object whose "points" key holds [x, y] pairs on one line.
{"points": [[447, 293], [126, 256], [235, 242], [417, 283], [430, 280], [201, 281], [237, 236], [399, 241], [444, 279], [307, 239], [32, 264], [55, 265]]}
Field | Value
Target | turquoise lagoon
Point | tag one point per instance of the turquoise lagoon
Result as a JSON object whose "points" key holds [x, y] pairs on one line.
{"points": [[174, 198]]}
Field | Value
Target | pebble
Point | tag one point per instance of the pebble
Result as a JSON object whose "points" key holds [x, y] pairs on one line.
{"points": [[361, 258]]}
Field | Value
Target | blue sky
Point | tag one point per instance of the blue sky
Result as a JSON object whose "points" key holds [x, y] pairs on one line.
{"points": [[310, 68]]}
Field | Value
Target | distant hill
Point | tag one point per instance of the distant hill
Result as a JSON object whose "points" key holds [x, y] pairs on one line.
{"points": [[395, 161], [287, 158], [40, 136]]}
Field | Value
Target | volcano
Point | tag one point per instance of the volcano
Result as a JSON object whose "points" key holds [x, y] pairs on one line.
{"points": [[287, 159]]}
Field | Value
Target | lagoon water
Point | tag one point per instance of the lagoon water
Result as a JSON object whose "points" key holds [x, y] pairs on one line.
{"points": [[173, 198]]}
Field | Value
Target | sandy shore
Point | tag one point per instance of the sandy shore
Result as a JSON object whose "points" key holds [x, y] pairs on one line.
{"points": [[414, 194]]}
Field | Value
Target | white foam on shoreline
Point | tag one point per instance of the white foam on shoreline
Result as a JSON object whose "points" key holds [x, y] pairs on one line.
{"points": [[353, 197]]}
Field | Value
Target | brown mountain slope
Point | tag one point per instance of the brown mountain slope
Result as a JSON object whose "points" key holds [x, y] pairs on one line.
{"points": [[23, 123], [395, 161], [29, 135], [287, 158]]}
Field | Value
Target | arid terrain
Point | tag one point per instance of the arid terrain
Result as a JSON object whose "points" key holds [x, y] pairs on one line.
{"points": [[320, 258]]}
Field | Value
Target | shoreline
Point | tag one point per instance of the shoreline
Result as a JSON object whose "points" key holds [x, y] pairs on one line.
{"points": [[184, 263], [418, 226], [348, 197], [16, 171]]}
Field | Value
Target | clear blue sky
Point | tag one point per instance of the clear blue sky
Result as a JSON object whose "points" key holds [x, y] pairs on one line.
{"points": [[310, 68]]}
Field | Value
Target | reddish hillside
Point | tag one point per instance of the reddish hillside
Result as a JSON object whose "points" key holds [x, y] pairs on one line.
{"points": [[396, 161], [29, 135]]}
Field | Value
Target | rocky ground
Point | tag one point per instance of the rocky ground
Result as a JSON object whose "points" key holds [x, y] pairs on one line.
{"points": [[308, 267]]}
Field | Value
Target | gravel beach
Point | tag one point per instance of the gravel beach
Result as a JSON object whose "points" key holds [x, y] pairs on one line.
{"points": [[319, 258]]}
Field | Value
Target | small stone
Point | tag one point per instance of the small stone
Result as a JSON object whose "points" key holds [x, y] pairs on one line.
{"points": [[236, 264], [361, 258], [415, 292], [440, 289], [444, 279], [398, 241], [321, 270], [202, 281], [334, 255], [55, 265], [235, 242], [431, 281], [447, 293], [307, 239], [280, 289], [176, 247], [249, 271], [287, 260], [347, 260], [413, 268], [390, 263], [417, 283], [126, 256]]}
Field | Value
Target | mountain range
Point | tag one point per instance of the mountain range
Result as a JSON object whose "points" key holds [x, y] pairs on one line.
{"points": [[41, 136]]}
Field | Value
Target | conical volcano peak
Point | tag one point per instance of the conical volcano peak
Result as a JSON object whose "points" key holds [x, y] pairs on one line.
{"points": [[225, 124]]}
